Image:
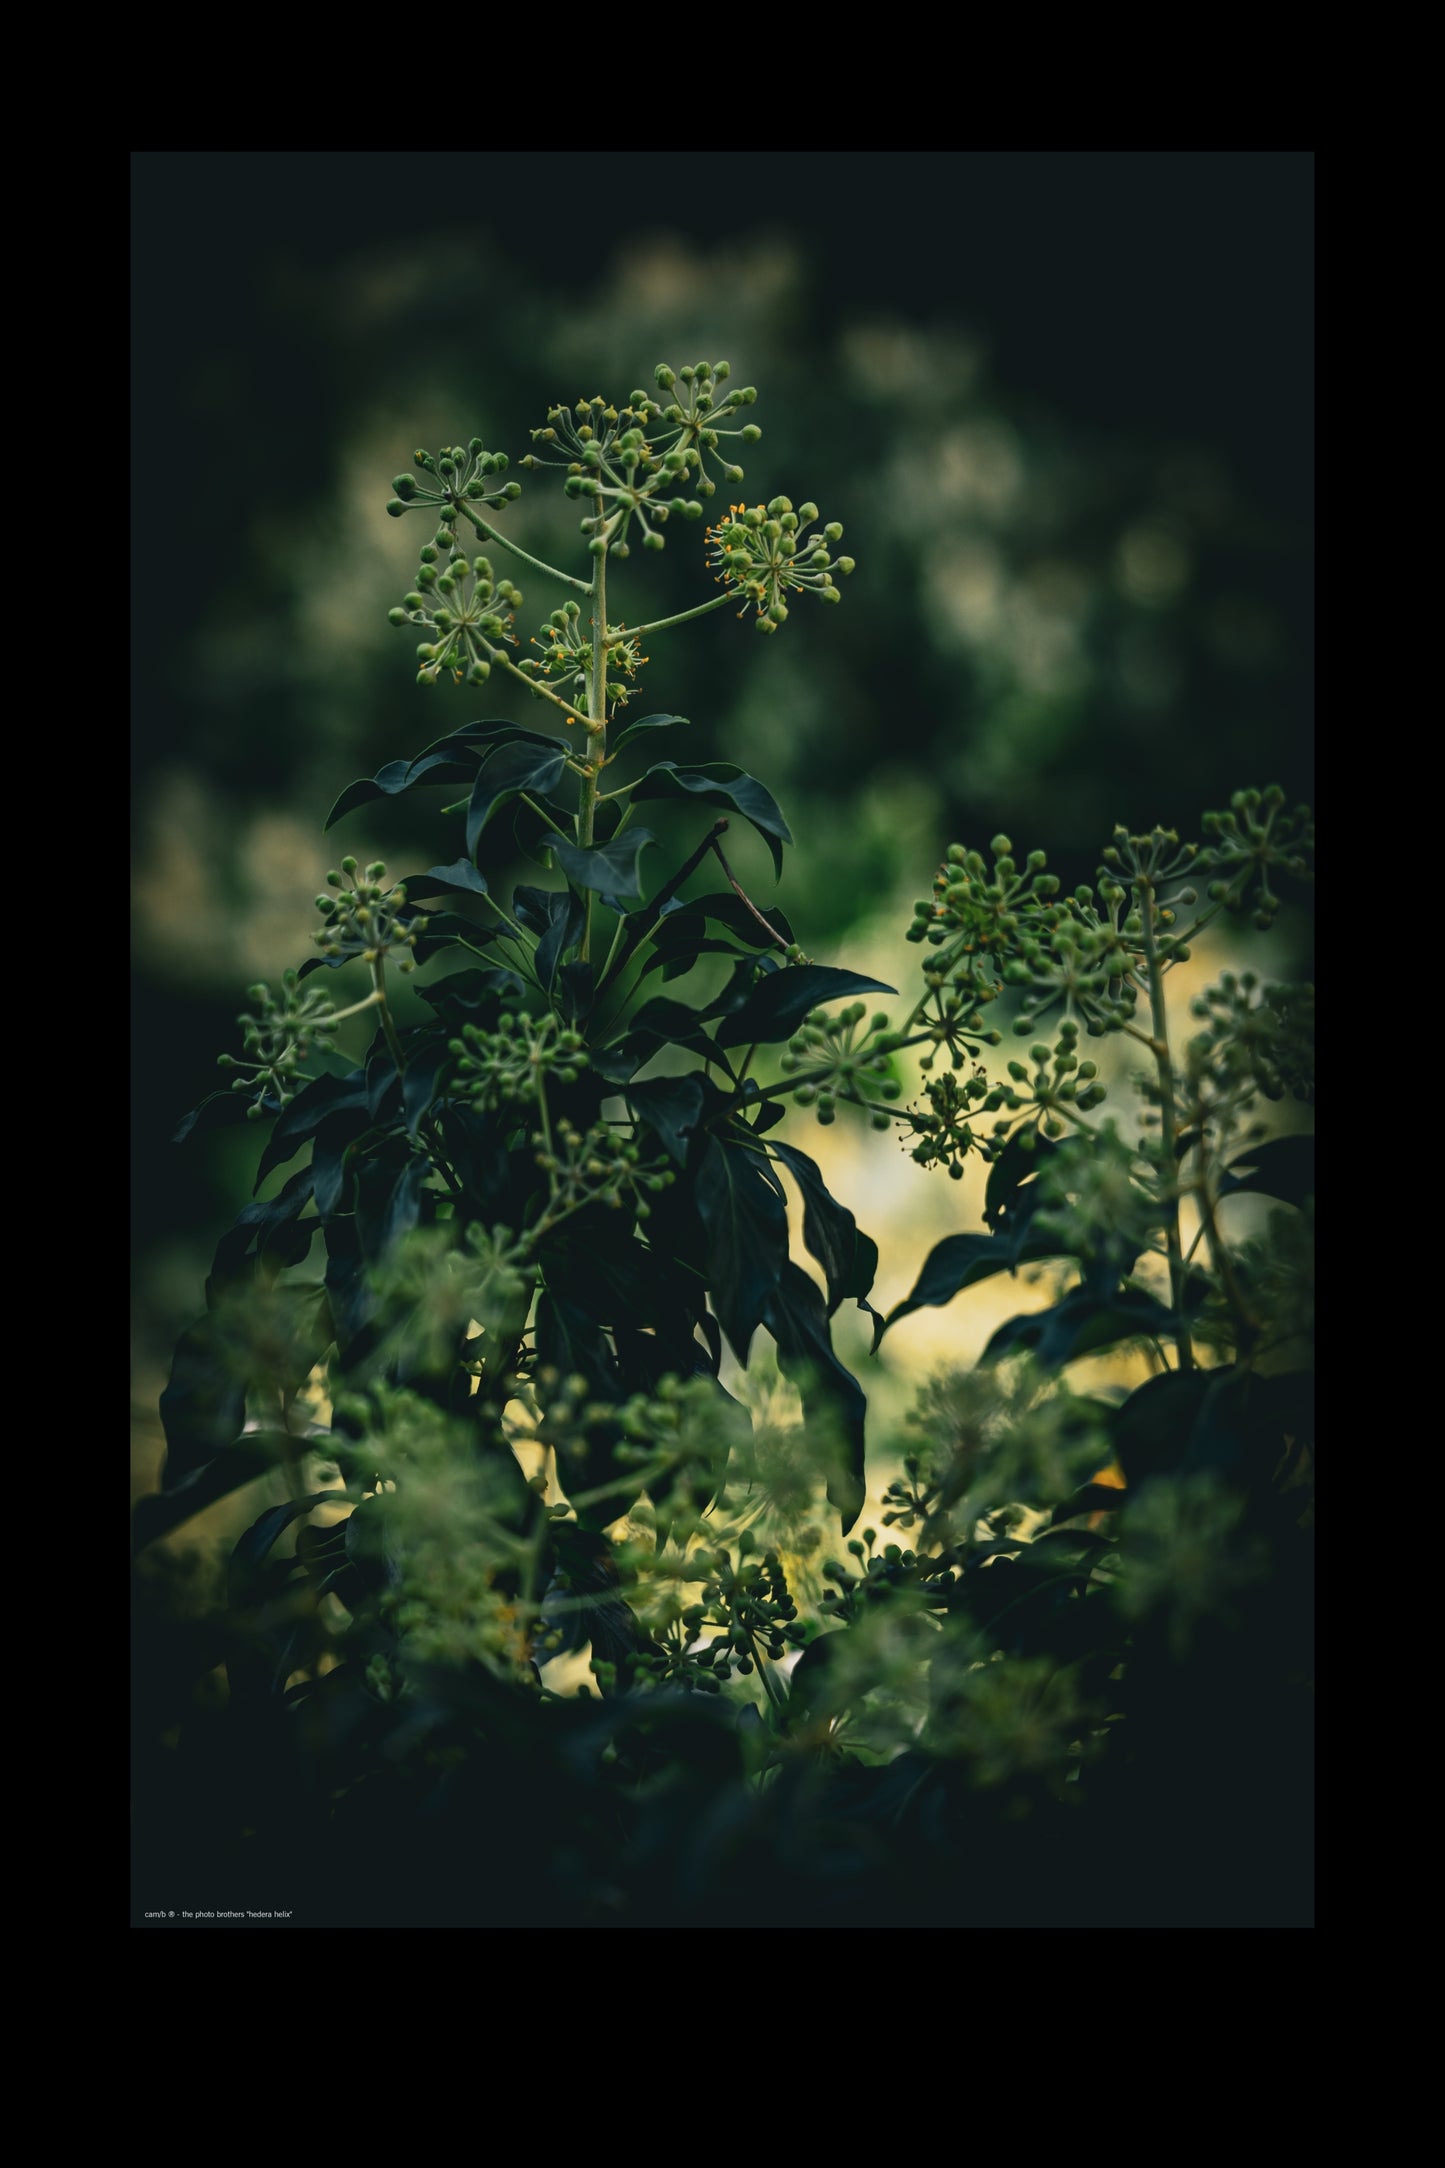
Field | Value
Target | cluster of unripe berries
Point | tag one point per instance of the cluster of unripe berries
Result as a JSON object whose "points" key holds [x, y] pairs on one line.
{"points": [[366, 919], [465, 606], [751, 1606], [1253, 837], [852, 1065], [595, 1167], [621, 460], [507, 1066], [567, 654], [763, 551], [460, 475], [278, 1038]]}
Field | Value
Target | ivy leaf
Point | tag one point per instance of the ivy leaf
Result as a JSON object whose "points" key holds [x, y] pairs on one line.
{"points": [[567, 915], [471, 991], [613, 868], [794, 1315], [1282, 1168], [1012, 1196], [775, 1008], [203, 1406], [208, 1113], [671, 1106], [961, 1261], [645, 722], [394, 778], [745, 1219], [227, 1470], [830, 1232], [1082, 1324], [299, 1122], [452, 759], [422, 1080], [860, 1283], [258, 1224], [726, 909], [658, 1023], [1149, 1430], [721, 783], [508, 771], [459, 879]]}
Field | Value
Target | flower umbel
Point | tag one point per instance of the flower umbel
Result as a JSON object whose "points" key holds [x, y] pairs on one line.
{"points": [[762, 551]]}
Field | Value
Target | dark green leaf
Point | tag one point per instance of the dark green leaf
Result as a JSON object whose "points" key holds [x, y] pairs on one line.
{"points": [[830, 1231], [203, 1406], [1080, 1325], [467, 993], [726, 909], [566, 916], [1283, 1168], [660, 1022], [1150, 1430], [241, 1462], [398, 776], [671, 1106], [1244, 1420], [252, 1547], [745, 1219], [860, 1283], [961, 1261], [461, 878], [576, 991], [308, 1110], [1012, 1196], [257, 1227], [644, 722], [794, 1315], [215, 1108], [778, 1004], [505, 774], [452, 759], [721, 784], [329, 1166], [419, 1086], [611, 867]]}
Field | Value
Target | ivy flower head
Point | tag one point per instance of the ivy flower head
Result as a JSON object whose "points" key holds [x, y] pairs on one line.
{"points": [[464, 609], [456, 476], [565, 657], [764, 552]]}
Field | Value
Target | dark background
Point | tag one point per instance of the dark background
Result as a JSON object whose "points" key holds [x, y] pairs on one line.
{"points": [[1060, 400]]}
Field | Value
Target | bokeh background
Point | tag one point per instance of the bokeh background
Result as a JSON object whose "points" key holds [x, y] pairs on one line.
{"points": [[1060, 401]]}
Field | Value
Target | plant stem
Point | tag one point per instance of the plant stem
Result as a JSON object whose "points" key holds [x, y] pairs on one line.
{"points": [[1168, 1117], [703, 609], [542, 692], [597, 736], [738, 890], [494, 534], [378, 981]]}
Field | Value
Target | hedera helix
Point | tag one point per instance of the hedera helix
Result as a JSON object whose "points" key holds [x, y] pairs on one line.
{"points": [[521, 1221], [608, 1229]]}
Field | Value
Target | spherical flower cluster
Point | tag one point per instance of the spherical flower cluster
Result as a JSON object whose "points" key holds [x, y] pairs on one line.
{"points": [[763, 552]]}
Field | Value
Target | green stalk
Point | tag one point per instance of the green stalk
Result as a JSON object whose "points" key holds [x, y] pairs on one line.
{"points": [[662, 624], [378, 981], [596, 737], [493, 534], [1168, 1116]]}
